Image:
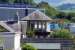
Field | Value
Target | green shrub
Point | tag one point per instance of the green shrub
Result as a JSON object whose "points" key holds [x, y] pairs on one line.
{"points": [[30, 33], [2, 29], [63, 33], [28, 47]]}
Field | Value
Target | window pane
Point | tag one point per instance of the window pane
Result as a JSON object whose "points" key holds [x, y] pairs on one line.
{"points": [[39, 26], [35, 26]]}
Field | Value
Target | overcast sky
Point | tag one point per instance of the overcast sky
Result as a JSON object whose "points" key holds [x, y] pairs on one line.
{"points": [[56, 2]]}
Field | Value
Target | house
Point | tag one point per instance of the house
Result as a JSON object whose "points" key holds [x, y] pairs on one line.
{"points": [[10, 33], [38, 23], [72, 27], [9, 38], [8, 11], [19, 19], [49, 43]]}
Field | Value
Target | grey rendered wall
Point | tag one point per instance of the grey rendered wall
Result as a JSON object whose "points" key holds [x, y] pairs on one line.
{"points": [[24, 27], [8, 41]]}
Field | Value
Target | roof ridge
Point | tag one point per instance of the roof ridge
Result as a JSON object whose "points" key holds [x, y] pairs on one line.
{"points": [[41, 14]]}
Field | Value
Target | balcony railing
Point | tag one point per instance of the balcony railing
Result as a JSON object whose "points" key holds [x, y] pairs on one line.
{"points": [[64, 42]]}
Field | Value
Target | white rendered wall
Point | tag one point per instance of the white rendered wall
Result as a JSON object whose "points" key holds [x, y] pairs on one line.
{"points": [[46, 45], [48, 27], [72, 27], [17, 42], [11, 41]]}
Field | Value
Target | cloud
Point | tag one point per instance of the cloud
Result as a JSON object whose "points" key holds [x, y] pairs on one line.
{"points": [[53, 2], [37, 1], [67, 1], [56, 2]]}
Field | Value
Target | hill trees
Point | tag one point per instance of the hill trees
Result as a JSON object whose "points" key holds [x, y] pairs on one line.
{"points": [[49, 10], [69, 16], [3, 1]]}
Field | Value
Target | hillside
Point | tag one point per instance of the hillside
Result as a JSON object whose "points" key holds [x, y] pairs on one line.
{"points": [[49, 10], [67, 7]]}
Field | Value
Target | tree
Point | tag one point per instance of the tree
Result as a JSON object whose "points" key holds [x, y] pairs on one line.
{"points": [[63, 33], [72, 15], [49, 10], [2, 29], [61, 15], [11, 1], [3, 1]]}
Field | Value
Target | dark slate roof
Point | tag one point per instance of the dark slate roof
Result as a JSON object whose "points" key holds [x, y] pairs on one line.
{"points": [[8, 14], [17, 5], [8, 11], [37, 15]]}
